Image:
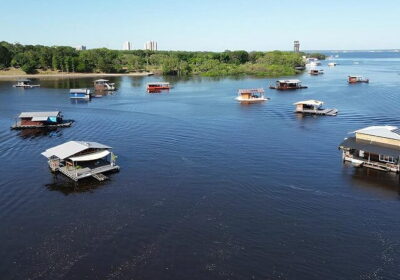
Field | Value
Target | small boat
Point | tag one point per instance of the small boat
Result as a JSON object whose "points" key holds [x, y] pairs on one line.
{"points": [[332, 64], [253, 95], [313, 107], [79, 93], [158, 86], [80, 159], [316, 72], [25, 83], [41, 120], [103, 85], [357, 79], [287, 85]]}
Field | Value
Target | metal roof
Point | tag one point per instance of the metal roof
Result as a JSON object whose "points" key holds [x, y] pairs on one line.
{"points": [[290, 81], [386, 131], [39, 114], [101, 80], [251, 90], [71, 148], [368, 146], [79, 90], [310, 102]]}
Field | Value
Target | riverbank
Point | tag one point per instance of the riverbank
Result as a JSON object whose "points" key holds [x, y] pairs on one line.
{"points": [[7, 75]]}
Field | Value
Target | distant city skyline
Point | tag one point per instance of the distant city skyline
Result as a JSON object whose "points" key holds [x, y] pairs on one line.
{"points": [[204, 25]]}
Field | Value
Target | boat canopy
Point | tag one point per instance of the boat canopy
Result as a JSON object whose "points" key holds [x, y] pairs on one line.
{"points": [[71, 148], [92, 156], [80, 90], [289, 81], [251, 90], [310, 102], [101, 80], [158, 83]]}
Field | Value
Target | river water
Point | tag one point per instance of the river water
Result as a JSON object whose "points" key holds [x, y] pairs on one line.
{"points": [[208, 188]]}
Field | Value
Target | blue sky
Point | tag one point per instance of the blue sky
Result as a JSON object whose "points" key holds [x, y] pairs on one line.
{"points": [[204, 24]]}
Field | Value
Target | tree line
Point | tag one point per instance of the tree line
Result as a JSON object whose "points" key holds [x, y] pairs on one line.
{"points": [[31, 58]]}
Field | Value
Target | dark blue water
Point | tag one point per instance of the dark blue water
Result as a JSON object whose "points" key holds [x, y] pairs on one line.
{"points": [[208, 188]]}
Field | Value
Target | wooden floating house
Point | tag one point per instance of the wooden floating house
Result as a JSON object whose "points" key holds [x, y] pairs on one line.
{"points": [[316, 72], [158, 86], [313, 107], [103, 85], [41, 120], [251, 95], [357, 79], [287, 85], [376, 147], [80, 93], [77, 160], [25, 83]]}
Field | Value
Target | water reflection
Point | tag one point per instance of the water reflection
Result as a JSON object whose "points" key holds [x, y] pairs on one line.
{"points": [[39, 132], [67, 186], [383, 183]]}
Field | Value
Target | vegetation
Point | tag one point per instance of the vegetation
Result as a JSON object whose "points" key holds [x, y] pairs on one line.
{"points": [[30, 58], [320, 56]]}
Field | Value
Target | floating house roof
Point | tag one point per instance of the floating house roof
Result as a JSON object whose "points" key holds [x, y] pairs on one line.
{"points": [[251, 90], [289, 81], [23, 80], [310, 102], [78, 90], [71, 148], [44, 115], [386, 131], [101, 80]]}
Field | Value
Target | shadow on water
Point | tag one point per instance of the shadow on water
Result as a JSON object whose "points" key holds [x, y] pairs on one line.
{"points": [[375, 181], [39, 132], [67, 186]]}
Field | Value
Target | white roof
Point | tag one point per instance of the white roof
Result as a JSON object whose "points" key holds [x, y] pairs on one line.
{"points": [[290, 81], [79, 90], [101, 80], [93, 156], [71, 148], [386, 131], [39, 114], [310, 102]]}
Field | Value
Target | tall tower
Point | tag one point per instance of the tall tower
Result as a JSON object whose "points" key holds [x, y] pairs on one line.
{"points": [[296, 46], [126, 46]]}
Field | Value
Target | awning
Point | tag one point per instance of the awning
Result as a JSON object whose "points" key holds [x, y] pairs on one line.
{"points": [[370, 147], [92, 156], [39, 119]]}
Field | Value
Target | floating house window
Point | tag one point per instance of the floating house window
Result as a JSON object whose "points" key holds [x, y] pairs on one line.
{"points": [[386, 158]]}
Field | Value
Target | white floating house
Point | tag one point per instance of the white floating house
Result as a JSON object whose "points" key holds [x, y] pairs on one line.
{"points": [[79, 93], [79, 159]]}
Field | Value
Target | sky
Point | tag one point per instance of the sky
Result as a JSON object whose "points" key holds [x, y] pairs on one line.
{"points": [[204, 25]]}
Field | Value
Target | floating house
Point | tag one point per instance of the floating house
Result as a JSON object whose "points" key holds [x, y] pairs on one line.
{"points": [[41, 120], [313, 107], [25, 83], [158, 86], [357, 79], [77, 160], [316, 72], [251, 95], [332, 64], [287, 85], [103, 84], [376, 147], [79, 93]]}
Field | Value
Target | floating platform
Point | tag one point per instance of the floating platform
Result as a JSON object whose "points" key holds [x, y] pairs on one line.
{"points": [[59, 125], [321, 112], [97, 173]]}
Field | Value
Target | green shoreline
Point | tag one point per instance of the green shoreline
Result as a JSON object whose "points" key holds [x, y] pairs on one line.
{"points": [[36, 58]]}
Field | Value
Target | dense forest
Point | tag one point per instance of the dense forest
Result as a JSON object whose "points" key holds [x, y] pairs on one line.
{"points": [[34, 58]]}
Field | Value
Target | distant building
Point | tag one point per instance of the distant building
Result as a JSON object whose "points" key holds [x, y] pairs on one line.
{"points": [[127, 46], [296, 46], [80, 48], [151, 46]]}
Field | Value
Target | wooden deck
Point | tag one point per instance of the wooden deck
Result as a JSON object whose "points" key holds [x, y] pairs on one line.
{"points": [[373, 164], [78, 174], [323, 112]]}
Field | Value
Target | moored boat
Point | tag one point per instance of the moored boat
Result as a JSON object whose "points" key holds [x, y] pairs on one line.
{"points": [[158, 86], [254, 95], [41, 120], [287, 85], [80, 159], [357, 79], [80, 93], [25, 83], [103, 85], [313, 107], [316, 72], [376, 147]]}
